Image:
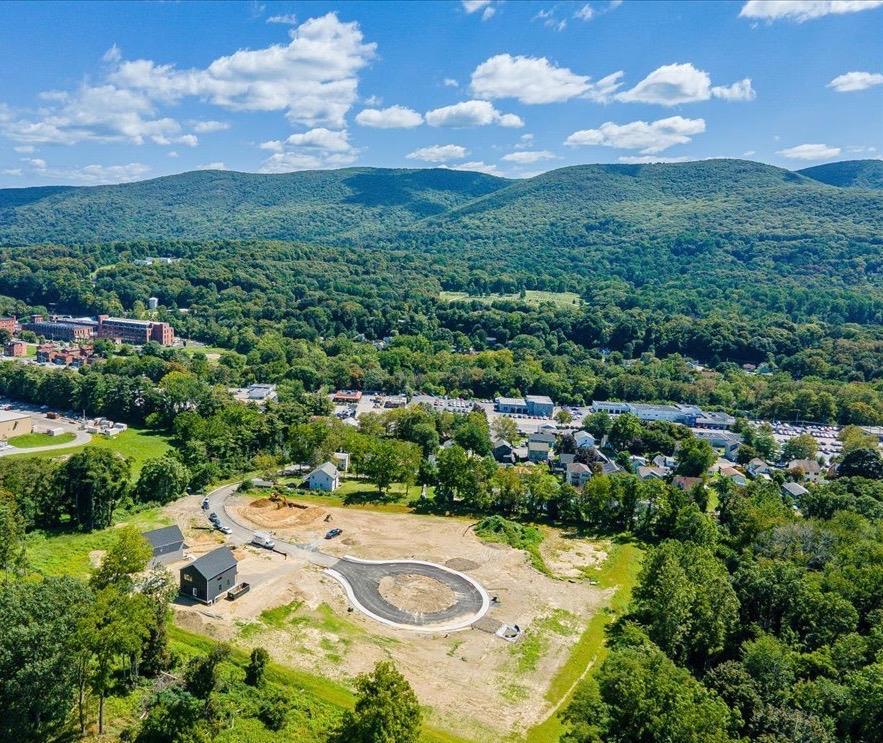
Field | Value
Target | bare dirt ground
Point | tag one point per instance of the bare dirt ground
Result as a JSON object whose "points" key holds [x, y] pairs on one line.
{"points": [[476, 684], [416, 593]]}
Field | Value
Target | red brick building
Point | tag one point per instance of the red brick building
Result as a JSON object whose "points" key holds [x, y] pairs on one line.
{"points": [[137, 332], [8, 324], [16, 348]]}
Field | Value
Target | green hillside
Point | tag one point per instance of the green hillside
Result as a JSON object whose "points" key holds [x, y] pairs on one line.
{"points": [[213, 204], [850, 173]]}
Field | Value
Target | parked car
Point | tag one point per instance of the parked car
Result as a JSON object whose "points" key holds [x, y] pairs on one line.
{"points": [[333, 533], [263, 540], [214, 518], [223, 529], [205, 504]]}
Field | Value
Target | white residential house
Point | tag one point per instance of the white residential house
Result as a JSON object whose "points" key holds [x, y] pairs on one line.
{"points": [[808, 467], [578, 474], [324, 477], [584, 440], [342, 460]]}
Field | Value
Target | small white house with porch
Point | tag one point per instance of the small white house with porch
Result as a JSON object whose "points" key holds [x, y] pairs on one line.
{"points": [[325, 477]]}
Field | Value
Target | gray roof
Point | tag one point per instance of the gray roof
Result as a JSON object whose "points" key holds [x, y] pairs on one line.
{"points": [[542, 399], [328, 468], [163, 537], [214, 563], [795, 489]]}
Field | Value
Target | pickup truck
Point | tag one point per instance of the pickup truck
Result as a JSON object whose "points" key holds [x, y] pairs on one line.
{"points": [[263, 540]]}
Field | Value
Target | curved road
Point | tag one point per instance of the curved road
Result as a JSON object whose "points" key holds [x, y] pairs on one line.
{"points": [[81, 437], [361, 578]]}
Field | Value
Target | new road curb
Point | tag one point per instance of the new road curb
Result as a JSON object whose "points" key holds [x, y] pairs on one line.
{"points": [[455, 626]]}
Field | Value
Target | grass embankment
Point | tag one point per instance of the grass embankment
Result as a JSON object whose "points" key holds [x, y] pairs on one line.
{"points": [[562, 299], [137, 444], [517, 535], [30, 440], [67, 552], [356, 493], [619, 571]]}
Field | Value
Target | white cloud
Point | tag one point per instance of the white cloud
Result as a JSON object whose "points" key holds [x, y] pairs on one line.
{"points": [[112, 55], [526, 157], [853, 81], [673, 84], [738, 91], [207, 127], [89, 175], [172, 153], [439, 153], [529, 79], [394, 117], [810, 152], [471, 113], [549, 20], [649, 159], [313, 78], [289, 19], [803, 10], [315, 149], [24, 148], [648, 138], [216, 165], [585, 13], [485, 6], [12, 171], [36, 163], [524, 142], [478, 166], [449, 82]]}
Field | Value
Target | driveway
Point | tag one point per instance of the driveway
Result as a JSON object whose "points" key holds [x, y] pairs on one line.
{"points": [[361, 578], [81, 438]]}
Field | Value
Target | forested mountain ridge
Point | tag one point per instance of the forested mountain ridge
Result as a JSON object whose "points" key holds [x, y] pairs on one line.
{"points": [[318, 206], [849, 173]]}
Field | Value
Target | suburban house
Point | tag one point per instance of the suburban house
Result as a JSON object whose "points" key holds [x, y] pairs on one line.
{"points": [[734, 476], [261, 392], [578, 474], [210, 576], [809, 468], [167, 544], [661, 460], [538, 451], [757, 467], [584, 440], [565, 459], [341, 460], [542, 437], [503, 452], [652, 473], [610, 468], [324, 477], [795, 490], [686, 483]]}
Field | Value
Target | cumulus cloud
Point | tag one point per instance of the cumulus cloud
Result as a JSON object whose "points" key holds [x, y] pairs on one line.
{"points": [[485, 6], [313, 78], [810, 152], [529, 79], [90, 175], [647, 137], [207, 127], [853, 81], [649, 159], [316, 149], [526, 157], [394, 117], [803, 10], [12, 171], [216, 165], [478, 166], [471, 113], [439, 153], [673, 84]]}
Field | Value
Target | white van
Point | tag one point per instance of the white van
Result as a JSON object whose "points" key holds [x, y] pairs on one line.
{"points": [[263, 540]]}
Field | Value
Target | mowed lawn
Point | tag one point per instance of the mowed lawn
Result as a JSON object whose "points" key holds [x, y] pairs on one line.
{"points": [[31, 440], [137, 444], [531, 296]]}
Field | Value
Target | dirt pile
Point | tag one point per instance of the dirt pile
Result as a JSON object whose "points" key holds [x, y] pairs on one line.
{"points": [[418, 594], [276, 515]]}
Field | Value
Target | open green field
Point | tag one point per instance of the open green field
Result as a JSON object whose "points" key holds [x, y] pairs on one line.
{"points": [[564, 299], [67, 552], [30, 440], [619, 571], [356, 493], [138, 444]]}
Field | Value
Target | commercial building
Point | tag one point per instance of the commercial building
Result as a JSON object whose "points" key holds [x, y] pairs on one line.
{"points": [[16, 348], [540, 405], [14, 424], [511, 405], [137, 332], [209, 577], [688, 415], [58, 330]]}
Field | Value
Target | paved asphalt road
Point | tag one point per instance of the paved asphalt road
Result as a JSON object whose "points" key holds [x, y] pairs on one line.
{"points": [[81, 438], [363, 578]]}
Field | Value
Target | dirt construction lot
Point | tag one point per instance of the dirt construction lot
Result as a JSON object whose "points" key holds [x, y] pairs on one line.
{"points": [[476, 683]]}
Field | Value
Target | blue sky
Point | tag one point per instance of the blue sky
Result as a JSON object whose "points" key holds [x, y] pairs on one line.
{"points": [[108, 92]]}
